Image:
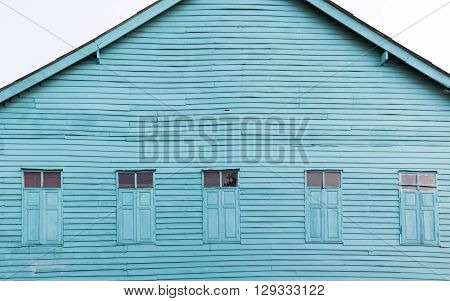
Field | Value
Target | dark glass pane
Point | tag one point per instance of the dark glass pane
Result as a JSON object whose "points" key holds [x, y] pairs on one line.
{"points": [[314, 179], [145, 179], [126, 180], [229, 178], [409, 187], [32, 179], [408, 179], [52, 179], [212, 179], [427, 179], [332, 179]]}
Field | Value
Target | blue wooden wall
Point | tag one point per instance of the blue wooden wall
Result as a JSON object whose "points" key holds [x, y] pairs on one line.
{"points": [[243, 58]]}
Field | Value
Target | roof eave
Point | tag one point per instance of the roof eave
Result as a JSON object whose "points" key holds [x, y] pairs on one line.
{"points": [[381, 40], [86, 50]]}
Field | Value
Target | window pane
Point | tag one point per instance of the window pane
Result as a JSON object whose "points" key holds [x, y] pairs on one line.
{"points": [[126, 180], [229, 179], [408, 179], [332, 179], [32, 179], [427, 179], [145, 179], [52, 179], [212, 179], [314, 179]]}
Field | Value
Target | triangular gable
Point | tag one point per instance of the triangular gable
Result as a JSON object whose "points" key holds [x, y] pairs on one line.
{"points": [[156, 8]]}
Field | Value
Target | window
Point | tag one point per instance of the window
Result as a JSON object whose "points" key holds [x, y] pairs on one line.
{"points": [[418, 206], [42, 208], [221, 206], [135, 211], [323, 206]]}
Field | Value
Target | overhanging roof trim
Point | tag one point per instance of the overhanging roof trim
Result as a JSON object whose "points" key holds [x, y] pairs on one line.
{"points": [[331, 9], [86, 49], [383, 41]]}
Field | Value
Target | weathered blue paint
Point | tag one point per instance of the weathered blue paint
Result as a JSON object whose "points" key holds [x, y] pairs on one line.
{"points": [[260, 58]]}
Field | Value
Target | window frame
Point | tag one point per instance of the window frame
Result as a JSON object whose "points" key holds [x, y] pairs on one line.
{"points": [[221, 171], [221, 189], [339, 206], [135, 172], [417, 174], [42, 171], [401, 206], [135, 189], [60, 205]]}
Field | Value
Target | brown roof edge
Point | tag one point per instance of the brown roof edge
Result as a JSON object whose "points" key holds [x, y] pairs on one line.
{"points": [[343, 10], [79, 47]]}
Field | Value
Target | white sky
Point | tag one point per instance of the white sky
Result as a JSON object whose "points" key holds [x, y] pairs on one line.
{"points": [[26, 47]]}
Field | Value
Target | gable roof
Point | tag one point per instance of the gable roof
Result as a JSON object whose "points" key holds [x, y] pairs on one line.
{"points": [[326, 6]]}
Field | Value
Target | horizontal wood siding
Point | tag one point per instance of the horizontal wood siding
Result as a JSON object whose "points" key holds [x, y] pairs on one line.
{"points": [[263, 58]]}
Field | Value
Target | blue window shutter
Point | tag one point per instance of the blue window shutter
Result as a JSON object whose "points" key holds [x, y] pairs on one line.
{"points": [[51, 217], [144, 218], [314, 215], [410, 233], [211, 215], [230, 214], [31, 226], [428, 217], [126, 213], [331, 206]]}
